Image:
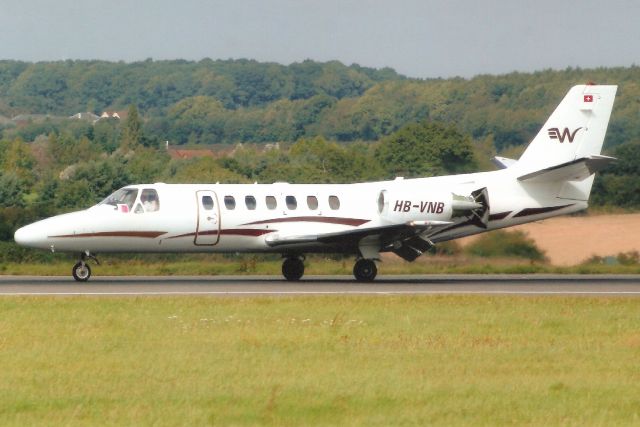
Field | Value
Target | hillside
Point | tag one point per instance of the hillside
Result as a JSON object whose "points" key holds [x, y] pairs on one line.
{"points": [[209, 102]]}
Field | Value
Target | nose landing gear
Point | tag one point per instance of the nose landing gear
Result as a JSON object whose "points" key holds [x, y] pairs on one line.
{"points": [[81, 270]]}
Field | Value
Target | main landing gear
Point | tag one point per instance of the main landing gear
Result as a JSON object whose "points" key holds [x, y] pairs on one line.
{"points": [[81, 270], [364, 270], [293, 268]]}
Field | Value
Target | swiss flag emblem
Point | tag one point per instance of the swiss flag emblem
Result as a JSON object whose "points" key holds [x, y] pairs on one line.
{"points": [[588, 98]]}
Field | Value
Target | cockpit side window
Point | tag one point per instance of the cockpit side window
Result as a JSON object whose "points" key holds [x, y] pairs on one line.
{"points": [[122, 199], [149, 199]]}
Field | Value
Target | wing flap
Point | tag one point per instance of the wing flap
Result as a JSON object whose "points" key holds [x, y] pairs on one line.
{"points": [[388, 233]]}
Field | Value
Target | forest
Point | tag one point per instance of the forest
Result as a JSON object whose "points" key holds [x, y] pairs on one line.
{"points": [[266, 122]]}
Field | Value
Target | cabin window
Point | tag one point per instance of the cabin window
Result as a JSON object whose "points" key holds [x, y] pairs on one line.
{"points": [[381, 201], [312, 202], [149, 200], [334, 202], [271, 202], [229, 202], [207, 203], [250, 201], [291, 201]]}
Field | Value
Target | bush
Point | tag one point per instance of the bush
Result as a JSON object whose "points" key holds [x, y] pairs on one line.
{"points": [[445, 248], [507, 244], [623, 258], [629, 258], [11, 252]]}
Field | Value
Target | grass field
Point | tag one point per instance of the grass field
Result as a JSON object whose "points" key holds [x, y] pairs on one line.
{"points": [[447, 360], [314, 266]]}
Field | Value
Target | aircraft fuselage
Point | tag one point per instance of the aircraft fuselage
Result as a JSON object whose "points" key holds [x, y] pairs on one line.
{"points": [[241, 217]]}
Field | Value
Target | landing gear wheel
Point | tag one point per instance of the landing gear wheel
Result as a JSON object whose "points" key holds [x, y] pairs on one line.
{"points": [[292, 269], [81, 271], [365, 270]]}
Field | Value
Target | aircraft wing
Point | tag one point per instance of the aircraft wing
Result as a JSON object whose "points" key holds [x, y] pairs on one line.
{"points": [[408, 240]]}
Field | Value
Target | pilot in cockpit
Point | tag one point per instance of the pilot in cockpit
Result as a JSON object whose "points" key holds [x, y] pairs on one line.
{"points": [[149, 199]]}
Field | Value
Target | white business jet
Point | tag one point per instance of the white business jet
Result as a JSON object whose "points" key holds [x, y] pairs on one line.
{"points": [[404, 216]]}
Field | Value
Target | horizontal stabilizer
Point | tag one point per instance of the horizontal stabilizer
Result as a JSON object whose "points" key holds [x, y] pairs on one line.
{"points": [[575, 170], [503, 162]]}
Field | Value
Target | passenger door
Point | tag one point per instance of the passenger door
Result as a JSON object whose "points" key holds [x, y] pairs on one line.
{"points": [[208, 229]]}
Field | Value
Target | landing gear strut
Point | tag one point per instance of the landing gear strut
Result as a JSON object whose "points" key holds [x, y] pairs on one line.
{"points": [[81, 270], [365, 270], [293, 268]]}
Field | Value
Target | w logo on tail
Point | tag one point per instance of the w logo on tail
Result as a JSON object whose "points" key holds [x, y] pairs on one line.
{"points": [[554, 133]]}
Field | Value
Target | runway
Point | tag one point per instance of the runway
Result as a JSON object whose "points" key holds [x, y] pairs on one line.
{"points": [[594, 285]]}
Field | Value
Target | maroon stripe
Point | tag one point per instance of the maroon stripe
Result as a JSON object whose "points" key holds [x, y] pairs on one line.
{"points": [[245, 232], [228, 232], [325, 219], [182, 235], [538, 211], [499, 216], [142, 234]]}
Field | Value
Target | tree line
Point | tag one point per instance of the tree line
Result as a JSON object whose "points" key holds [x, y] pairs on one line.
{"points": [[231, 101]]}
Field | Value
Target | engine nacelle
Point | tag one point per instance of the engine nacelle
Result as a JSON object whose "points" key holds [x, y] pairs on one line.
{"points": [[403, 206], [406, 206]]}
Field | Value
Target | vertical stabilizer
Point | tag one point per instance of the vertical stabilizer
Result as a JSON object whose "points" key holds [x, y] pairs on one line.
{"points": [[575, 129], [570, 143]]}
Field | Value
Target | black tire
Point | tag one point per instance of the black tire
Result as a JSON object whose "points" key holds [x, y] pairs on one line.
{"points": [[293, 269], [365, 270], [81, 271]]}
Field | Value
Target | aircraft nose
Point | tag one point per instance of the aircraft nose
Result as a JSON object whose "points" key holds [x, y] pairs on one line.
{"points": [[30, 236]]}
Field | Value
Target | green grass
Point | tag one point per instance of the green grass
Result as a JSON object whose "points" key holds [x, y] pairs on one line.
{"points": [[447, 360], [315, 265]]}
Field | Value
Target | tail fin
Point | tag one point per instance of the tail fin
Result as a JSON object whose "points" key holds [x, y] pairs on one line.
{"points": [[574, 131]]}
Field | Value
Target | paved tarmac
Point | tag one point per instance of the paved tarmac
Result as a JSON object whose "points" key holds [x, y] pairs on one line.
{"points": [[594, 285]]}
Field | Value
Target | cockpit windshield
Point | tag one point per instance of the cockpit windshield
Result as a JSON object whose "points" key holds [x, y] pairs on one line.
{"points": [[123, 197]]}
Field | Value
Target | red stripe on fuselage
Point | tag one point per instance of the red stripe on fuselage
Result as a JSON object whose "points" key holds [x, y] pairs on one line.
{"points": [[142, 234], [252, 232], [323, 219]]}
